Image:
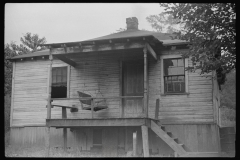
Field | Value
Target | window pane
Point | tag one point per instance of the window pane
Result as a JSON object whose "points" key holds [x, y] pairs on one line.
{"points": [[175, 70], [173, 82], [54, 79], [54, 71], [166, 64], [59, 78], [169, 87], [177, 86], [174, 61], [182, 86], [54, 75], [180, 62], [174, 78], [64, 71], [180, 78]]}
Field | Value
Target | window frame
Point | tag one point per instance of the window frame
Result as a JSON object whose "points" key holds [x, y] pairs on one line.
{"points": [[173, 56], [68, 76]]}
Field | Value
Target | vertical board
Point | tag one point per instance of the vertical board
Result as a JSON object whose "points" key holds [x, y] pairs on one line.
{"points": [[12, 96], [128, 144], [121, 137], [191, 140], [110, 142], [89, 134], [200, 138], [139, 142], [145, 139], [120, 89]]}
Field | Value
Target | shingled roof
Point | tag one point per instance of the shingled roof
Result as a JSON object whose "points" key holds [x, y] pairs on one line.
{"points": [[164, 38]]}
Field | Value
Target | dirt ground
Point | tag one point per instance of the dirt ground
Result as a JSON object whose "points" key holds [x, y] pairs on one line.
{"points": [[59, 152]]}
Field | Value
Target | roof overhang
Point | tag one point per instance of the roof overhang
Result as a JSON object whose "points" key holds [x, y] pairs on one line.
{"points": [[114, 42]]}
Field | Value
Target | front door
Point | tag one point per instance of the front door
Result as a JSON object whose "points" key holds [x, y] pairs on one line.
{"points": [[133, 86]]}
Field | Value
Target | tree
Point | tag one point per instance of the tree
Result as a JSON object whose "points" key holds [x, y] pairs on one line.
{"points": [[228, 93], [164, 23], [211, 29], [33, 42], [11, 50]]}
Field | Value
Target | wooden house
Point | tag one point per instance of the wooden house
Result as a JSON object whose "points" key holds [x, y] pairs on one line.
{"points": [[150, 103]]}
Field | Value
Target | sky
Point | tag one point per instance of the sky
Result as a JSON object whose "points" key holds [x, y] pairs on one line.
{"points": [[69, 22]]}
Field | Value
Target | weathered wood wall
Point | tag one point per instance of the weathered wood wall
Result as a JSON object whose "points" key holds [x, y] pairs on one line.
{"points": [[197, 138], [216, 99], [30, 89], [197, 107], [117, 141], [93, 71]]}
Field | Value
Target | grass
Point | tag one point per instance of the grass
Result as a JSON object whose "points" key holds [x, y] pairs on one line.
{"points": [[54, 152]]}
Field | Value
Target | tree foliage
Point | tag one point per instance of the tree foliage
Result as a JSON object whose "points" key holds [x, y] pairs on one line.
{"points": [[210, 27], [33, 42], [164, 23], [228, 93], [30, 43]]}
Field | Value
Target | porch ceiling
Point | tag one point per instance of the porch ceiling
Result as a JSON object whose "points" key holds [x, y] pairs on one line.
{"points": [[65, 53]]}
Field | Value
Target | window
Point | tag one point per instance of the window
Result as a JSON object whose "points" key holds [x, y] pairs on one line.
{"points": [[174, 75], [59, 82]]}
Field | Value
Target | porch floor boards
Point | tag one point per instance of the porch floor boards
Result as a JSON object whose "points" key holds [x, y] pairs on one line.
{"points": [[98, 122]]}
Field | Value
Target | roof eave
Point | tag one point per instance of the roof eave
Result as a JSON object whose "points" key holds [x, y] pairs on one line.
{"points": [[88, 42]]}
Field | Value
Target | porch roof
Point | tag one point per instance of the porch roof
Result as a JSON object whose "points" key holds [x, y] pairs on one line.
{"points": [[164, 38], [45, 52]]}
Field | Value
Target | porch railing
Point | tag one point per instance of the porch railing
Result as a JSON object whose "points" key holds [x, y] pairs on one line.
{"points": [[64, 108]]}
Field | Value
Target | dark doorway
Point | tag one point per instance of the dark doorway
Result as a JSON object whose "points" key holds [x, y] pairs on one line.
{"points": [[133, 74]]}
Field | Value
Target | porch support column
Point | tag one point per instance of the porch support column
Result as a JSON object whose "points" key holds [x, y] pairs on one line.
{"points": [[145, 98], [135, 144], [49, 103], [145, 141], [64, 116]]}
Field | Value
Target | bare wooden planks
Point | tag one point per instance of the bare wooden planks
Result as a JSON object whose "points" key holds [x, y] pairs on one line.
{"points": [[12, 94], [110, 141], [145, 141], [163, 135]]}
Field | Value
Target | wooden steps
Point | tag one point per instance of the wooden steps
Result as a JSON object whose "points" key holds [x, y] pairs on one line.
{"points": [[168, 138]]}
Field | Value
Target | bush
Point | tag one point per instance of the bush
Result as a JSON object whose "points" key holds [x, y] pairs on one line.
{"points": [[228, 116]]}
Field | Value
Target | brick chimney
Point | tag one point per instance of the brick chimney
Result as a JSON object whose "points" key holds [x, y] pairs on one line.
{"points": [[132, 23]]}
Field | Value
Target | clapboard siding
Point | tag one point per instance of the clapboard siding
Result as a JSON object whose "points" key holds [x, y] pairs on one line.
{"points": [[101, 71], [216, 99], [194, 107], [30, 92]]}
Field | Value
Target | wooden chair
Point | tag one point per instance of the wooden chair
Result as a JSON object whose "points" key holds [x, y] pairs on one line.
{"points": [[98, 105]]}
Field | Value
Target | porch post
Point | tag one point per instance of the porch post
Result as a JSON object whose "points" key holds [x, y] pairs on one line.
{"points": [[49, 86], [145, 84], [145, 141], [49, 102], [135, 143], [64, 116]]}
